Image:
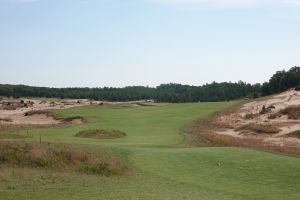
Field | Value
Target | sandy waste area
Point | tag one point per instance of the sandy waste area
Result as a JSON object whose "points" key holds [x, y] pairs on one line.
{"points": [[274, 119]]}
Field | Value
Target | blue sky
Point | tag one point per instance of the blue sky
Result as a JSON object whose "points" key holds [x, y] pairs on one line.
{"points": [[61, 43]]}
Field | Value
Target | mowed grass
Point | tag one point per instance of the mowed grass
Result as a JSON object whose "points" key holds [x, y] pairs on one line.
{"points": [[229, 172], [160, 125], [161, 168]]}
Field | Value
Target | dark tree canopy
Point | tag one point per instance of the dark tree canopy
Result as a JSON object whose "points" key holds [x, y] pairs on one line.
{"points": [[171, 92], [164, 93], [281, 81]]}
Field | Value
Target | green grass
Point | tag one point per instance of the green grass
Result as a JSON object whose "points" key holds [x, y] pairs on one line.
{"points": [[161, 169], [160, 125]]}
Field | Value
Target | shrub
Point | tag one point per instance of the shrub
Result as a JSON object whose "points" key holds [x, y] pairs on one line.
{"points": [[264, 110], [255, 96]]}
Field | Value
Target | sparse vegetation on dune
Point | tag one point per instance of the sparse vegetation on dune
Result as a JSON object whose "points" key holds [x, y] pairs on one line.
{"points": [[258, 129], [54, 116], [202, 134], [5, 119], [39, 112], [250, 116], [295, 134], [101, 134], [15, 104], [293, 112]]}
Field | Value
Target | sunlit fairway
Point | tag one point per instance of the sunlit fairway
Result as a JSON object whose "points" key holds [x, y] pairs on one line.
{"points": [[162, 168], [145, 126]]}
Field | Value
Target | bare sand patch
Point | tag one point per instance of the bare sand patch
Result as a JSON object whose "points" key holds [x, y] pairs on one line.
{"points": [[13, 112]]}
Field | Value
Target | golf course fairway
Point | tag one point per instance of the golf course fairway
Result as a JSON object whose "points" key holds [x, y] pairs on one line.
{"points": [[161, 166]]}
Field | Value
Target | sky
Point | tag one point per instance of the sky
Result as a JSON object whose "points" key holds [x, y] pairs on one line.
{"points": [[117, 43]]}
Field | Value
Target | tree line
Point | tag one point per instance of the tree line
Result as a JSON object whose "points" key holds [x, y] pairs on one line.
{"points": [[172, 92], [281, 81]]}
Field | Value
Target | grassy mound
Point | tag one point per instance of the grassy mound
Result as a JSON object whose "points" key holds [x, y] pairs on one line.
{"points": [[100, 134], [57, 157]]}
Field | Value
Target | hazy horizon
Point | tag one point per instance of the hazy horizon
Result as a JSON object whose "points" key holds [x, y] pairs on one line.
{"points": [[89, 43]]}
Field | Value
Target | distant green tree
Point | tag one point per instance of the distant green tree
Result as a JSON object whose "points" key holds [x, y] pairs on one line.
{"points": [[172, 92]]}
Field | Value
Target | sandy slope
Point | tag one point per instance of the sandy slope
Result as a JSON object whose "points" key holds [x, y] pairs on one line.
{"points": [[18, 117], [240, 117]]}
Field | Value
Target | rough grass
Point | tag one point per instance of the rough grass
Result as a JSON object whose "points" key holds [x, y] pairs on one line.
{"points": [[100, 134], [58, 157], [258, 129], [6, 132], [9, 135]]}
